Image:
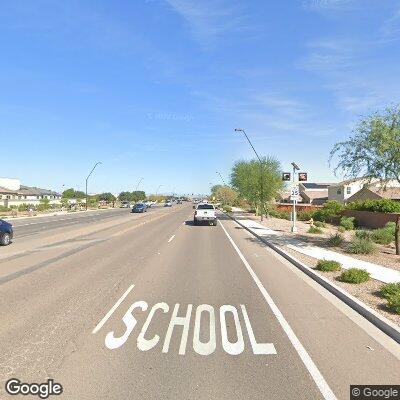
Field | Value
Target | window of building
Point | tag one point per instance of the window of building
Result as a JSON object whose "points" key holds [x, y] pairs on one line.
{"points": [[348, 190], [339, 191]]}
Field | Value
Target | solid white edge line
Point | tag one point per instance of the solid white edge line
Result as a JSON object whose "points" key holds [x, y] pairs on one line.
{"points": [[171, 238], [319, 380], [114, 307]]}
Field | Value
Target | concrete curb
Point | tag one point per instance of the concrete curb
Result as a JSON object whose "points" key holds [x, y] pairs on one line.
{"points": [[368, 313]]}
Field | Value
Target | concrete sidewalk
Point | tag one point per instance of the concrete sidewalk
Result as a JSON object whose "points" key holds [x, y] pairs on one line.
{"points": [[376, 271]]}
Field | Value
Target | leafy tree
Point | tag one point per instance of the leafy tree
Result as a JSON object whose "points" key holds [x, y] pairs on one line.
{"points": [[138, 195], [374, 149], [125, 196], [226, 195], [108, 197], [71, 193], [214, 190], [247, 176]]}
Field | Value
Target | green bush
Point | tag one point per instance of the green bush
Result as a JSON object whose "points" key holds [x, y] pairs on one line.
{"points": [[389, 289], [354, 275], [391, 227], [315, 230], [328, 265], [364, 234], [227, 209], [320, 224], [330, 210], [4, 209], [341, 229], [335, 240], [347, 223], [394, 303], [382, 236], [305, 215], [382, 205], [361, 246]]}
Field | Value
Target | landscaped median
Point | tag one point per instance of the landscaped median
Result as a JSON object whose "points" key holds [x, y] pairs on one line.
{"points": [[344, 258]]}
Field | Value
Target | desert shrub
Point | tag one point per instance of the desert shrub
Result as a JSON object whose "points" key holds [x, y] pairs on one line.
{"points": [[389, 289], [382, 205], [314, 230], [328, 265], [335, 240], [305, 215], [361, 246], [4, 209], [330, 210], [227, 209], [391, 227], [354, 275], [394, 303], [341, 229], [320, 224], [382, 236], [364, 234], [347, 223]]}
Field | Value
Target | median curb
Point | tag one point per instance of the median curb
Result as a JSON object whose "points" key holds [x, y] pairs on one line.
{"points": [[379, 321]]}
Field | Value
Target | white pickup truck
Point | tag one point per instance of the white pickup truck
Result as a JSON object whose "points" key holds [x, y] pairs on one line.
{"points": [[205, 212]]}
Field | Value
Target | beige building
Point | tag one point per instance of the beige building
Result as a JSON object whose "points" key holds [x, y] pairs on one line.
{"points": [[12, 193], [376, 193], [342, 191]]}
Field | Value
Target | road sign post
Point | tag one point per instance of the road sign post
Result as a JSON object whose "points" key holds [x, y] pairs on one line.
{"points": [[294, 196]]}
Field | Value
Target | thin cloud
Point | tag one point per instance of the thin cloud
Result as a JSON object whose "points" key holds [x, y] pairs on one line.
{"points": [[210, 19]]}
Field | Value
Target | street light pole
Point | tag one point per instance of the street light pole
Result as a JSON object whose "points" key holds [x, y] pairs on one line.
{"points": [[99, 162], [294, 216], [222, 179], [261, 172], [137, 186]]}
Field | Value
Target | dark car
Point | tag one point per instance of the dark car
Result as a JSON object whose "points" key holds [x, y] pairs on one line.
{"points": [[6, 233], [139, 208]]}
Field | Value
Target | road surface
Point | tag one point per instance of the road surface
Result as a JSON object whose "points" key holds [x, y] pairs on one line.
{"points": [[152, 307]]}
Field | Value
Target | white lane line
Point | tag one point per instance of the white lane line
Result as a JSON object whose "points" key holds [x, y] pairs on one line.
{"points": [[171, 239], [114, 307], [319, 380]]}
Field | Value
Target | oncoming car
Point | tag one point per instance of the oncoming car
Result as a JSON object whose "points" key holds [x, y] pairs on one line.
{"points": [[6, 233], [139, 208]]}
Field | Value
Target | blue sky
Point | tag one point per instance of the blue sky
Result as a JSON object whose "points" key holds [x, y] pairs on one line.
{"points": [[154, 88]]}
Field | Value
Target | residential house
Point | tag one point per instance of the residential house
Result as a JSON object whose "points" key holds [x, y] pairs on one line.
{"points": [[314, 193], [376, 193], [12, 193], [342, 191]]}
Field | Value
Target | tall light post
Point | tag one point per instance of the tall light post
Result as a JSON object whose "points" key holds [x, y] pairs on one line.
{"points": [[137, 186], [295, 168], [99, 162], [222, 179], [261, 171]]}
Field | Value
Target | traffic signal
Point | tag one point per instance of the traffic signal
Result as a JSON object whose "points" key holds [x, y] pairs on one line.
{"points": [[286, 176], [302, 176]]}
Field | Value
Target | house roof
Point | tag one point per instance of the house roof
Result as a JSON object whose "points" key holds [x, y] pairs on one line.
{"points": [[310, 185], [29, 191], [316, 194], [389, 193]]}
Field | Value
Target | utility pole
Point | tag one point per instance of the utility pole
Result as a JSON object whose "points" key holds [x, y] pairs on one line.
{"points": [[222, 179]]}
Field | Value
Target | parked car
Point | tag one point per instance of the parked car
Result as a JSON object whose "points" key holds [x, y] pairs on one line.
{"points": [[205, 212], [139, 208], [6, 233], [125, 204], [168, 204]]}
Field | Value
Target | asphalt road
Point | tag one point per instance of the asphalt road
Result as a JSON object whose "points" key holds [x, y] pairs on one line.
{"points": [[31, 226], [154, 307]]}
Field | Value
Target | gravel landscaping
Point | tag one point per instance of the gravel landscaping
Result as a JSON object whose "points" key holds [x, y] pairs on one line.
{"points": [[368, 292]]}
